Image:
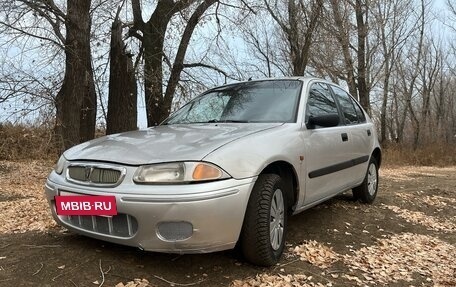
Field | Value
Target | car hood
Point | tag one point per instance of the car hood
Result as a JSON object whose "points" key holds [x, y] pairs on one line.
{"points": [[164, 143]]}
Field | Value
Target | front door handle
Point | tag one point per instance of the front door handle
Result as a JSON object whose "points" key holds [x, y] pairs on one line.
{"points": [[344, 137]]}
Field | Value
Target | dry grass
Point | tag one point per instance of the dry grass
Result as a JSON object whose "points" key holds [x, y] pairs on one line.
{"points": [[25, 142], [19, 142], [398, 173], [437, 154], [22, 202]]}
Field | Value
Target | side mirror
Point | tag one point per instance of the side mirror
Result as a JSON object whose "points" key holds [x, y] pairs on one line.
{"points": [[329, 120]]}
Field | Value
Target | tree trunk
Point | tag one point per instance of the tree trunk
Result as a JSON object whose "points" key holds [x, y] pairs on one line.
{"points": [[386, 87], [158, 104], [122, 101], [342, 36], [78, 75], [361, 26], [298, 29], [88, 114], [384, 105], [153, 42], [178, 65]]}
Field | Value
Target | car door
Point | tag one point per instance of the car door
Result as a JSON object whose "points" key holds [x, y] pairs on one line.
{"points": [[327, 149], [360, 133]]}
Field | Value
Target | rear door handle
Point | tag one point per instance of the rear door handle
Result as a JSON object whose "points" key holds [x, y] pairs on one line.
{"points": [[344, 137], [369, 133]]}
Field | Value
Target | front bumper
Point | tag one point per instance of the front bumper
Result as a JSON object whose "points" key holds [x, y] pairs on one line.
{"points": [[215, 211]]}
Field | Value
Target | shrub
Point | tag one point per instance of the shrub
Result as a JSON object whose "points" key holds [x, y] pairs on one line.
{"points": [[436, 154], [18, 142]]}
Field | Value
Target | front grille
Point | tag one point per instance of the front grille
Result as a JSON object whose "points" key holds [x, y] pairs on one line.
{"points": [[94, 175], [121, 225]]}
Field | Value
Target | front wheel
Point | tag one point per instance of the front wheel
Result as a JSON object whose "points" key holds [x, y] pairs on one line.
{"points": [[367, 191], [265, 223]]}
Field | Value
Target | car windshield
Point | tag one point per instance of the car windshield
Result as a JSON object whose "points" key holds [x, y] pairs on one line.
{"points": [[262, 101]]}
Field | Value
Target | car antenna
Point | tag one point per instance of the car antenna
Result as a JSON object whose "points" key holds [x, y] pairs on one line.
{"points": [[249, 79]]}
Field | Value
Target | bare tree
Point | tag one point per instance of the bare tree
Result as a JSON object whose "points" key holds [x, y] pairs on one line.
{"points": [[338, 26], [355, 50], [76, 100], [31, 82], [393, 29], [298, 26], [409, 74], [75, 113], [152, 36], [361, 12], [123, 94]]}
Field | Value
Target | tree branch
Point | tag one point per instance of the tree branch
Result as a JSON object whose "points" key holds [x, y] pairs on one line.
{"points": [[247, 6], [58, 14], [181, 5], [60, 45], [202, 65], [276, 18], [183, 45], [54, 9], [138, 22]]}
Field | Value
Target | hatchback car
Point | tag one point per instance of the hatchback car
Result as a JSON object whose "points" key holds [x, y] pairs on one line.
{"points": [[227, 168]]}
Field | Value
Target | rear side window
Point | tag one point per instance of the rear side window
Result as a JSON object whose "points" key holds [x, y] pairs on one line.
{"points": [[320, 101], [347, 106], [359, 112]]}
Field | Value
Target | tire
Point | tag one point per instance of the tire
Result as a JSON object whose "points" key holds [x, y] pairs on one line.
{"points": [[367, 191], [266, 209]]}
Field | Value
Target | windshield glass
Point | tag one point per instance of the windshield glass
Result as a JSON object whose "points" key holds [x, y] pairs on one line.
{"points": [[263, 101]]}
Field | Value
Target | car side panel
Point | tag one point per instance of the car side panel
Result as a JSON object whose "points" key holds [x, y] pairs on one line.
{"points": [[327, 160], [363, 142], [257, 151]]}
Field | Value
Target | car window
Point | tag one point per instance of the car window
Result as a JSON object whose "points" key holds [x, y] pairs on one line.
{"points": [[203, 109], [259, 101], [320, 101], [359, 112], [347, 106]]}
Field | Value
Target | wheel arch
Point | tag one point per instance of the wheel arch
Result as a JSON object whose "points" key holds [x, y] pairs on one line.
{"points": [[288, 173], [377, 154]]}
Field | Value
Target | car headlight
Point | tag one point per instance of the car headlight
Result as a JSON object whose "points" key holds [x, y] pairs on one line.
{"points": [[60, 165], [178, 172]]}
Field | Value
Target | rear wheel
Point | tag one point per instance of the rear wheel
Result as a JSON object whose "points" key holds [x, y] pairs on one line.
{"points": [[367, 191], [265, 223]]}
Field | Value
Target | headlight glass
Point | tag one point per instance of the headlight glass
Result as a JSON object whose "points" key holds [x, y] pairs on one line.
{"points": [[178, 172], [60, 165]]}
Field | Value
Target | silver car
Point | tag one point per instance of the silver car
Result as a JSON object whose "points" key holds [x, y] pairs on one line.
{"points": [[227, 168]]}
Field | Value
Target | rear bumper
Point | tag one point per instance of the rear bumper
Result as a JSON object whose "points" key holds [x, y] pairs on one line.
{"points": [[210, 214]]}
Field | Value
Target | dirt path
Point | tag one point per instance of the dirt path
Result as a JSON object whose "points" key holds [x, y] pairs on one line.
{"points": [[407, 238]]}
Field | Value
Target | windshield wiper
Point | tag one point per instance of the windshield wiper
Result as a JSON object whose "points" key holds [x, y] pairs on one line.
{"points": [[210, 121], [227, 121], [235, 121]]}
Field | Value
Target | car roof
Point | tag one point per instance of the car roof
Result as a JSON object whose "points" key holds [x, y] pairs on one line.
{"points": [[301, 78]]}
